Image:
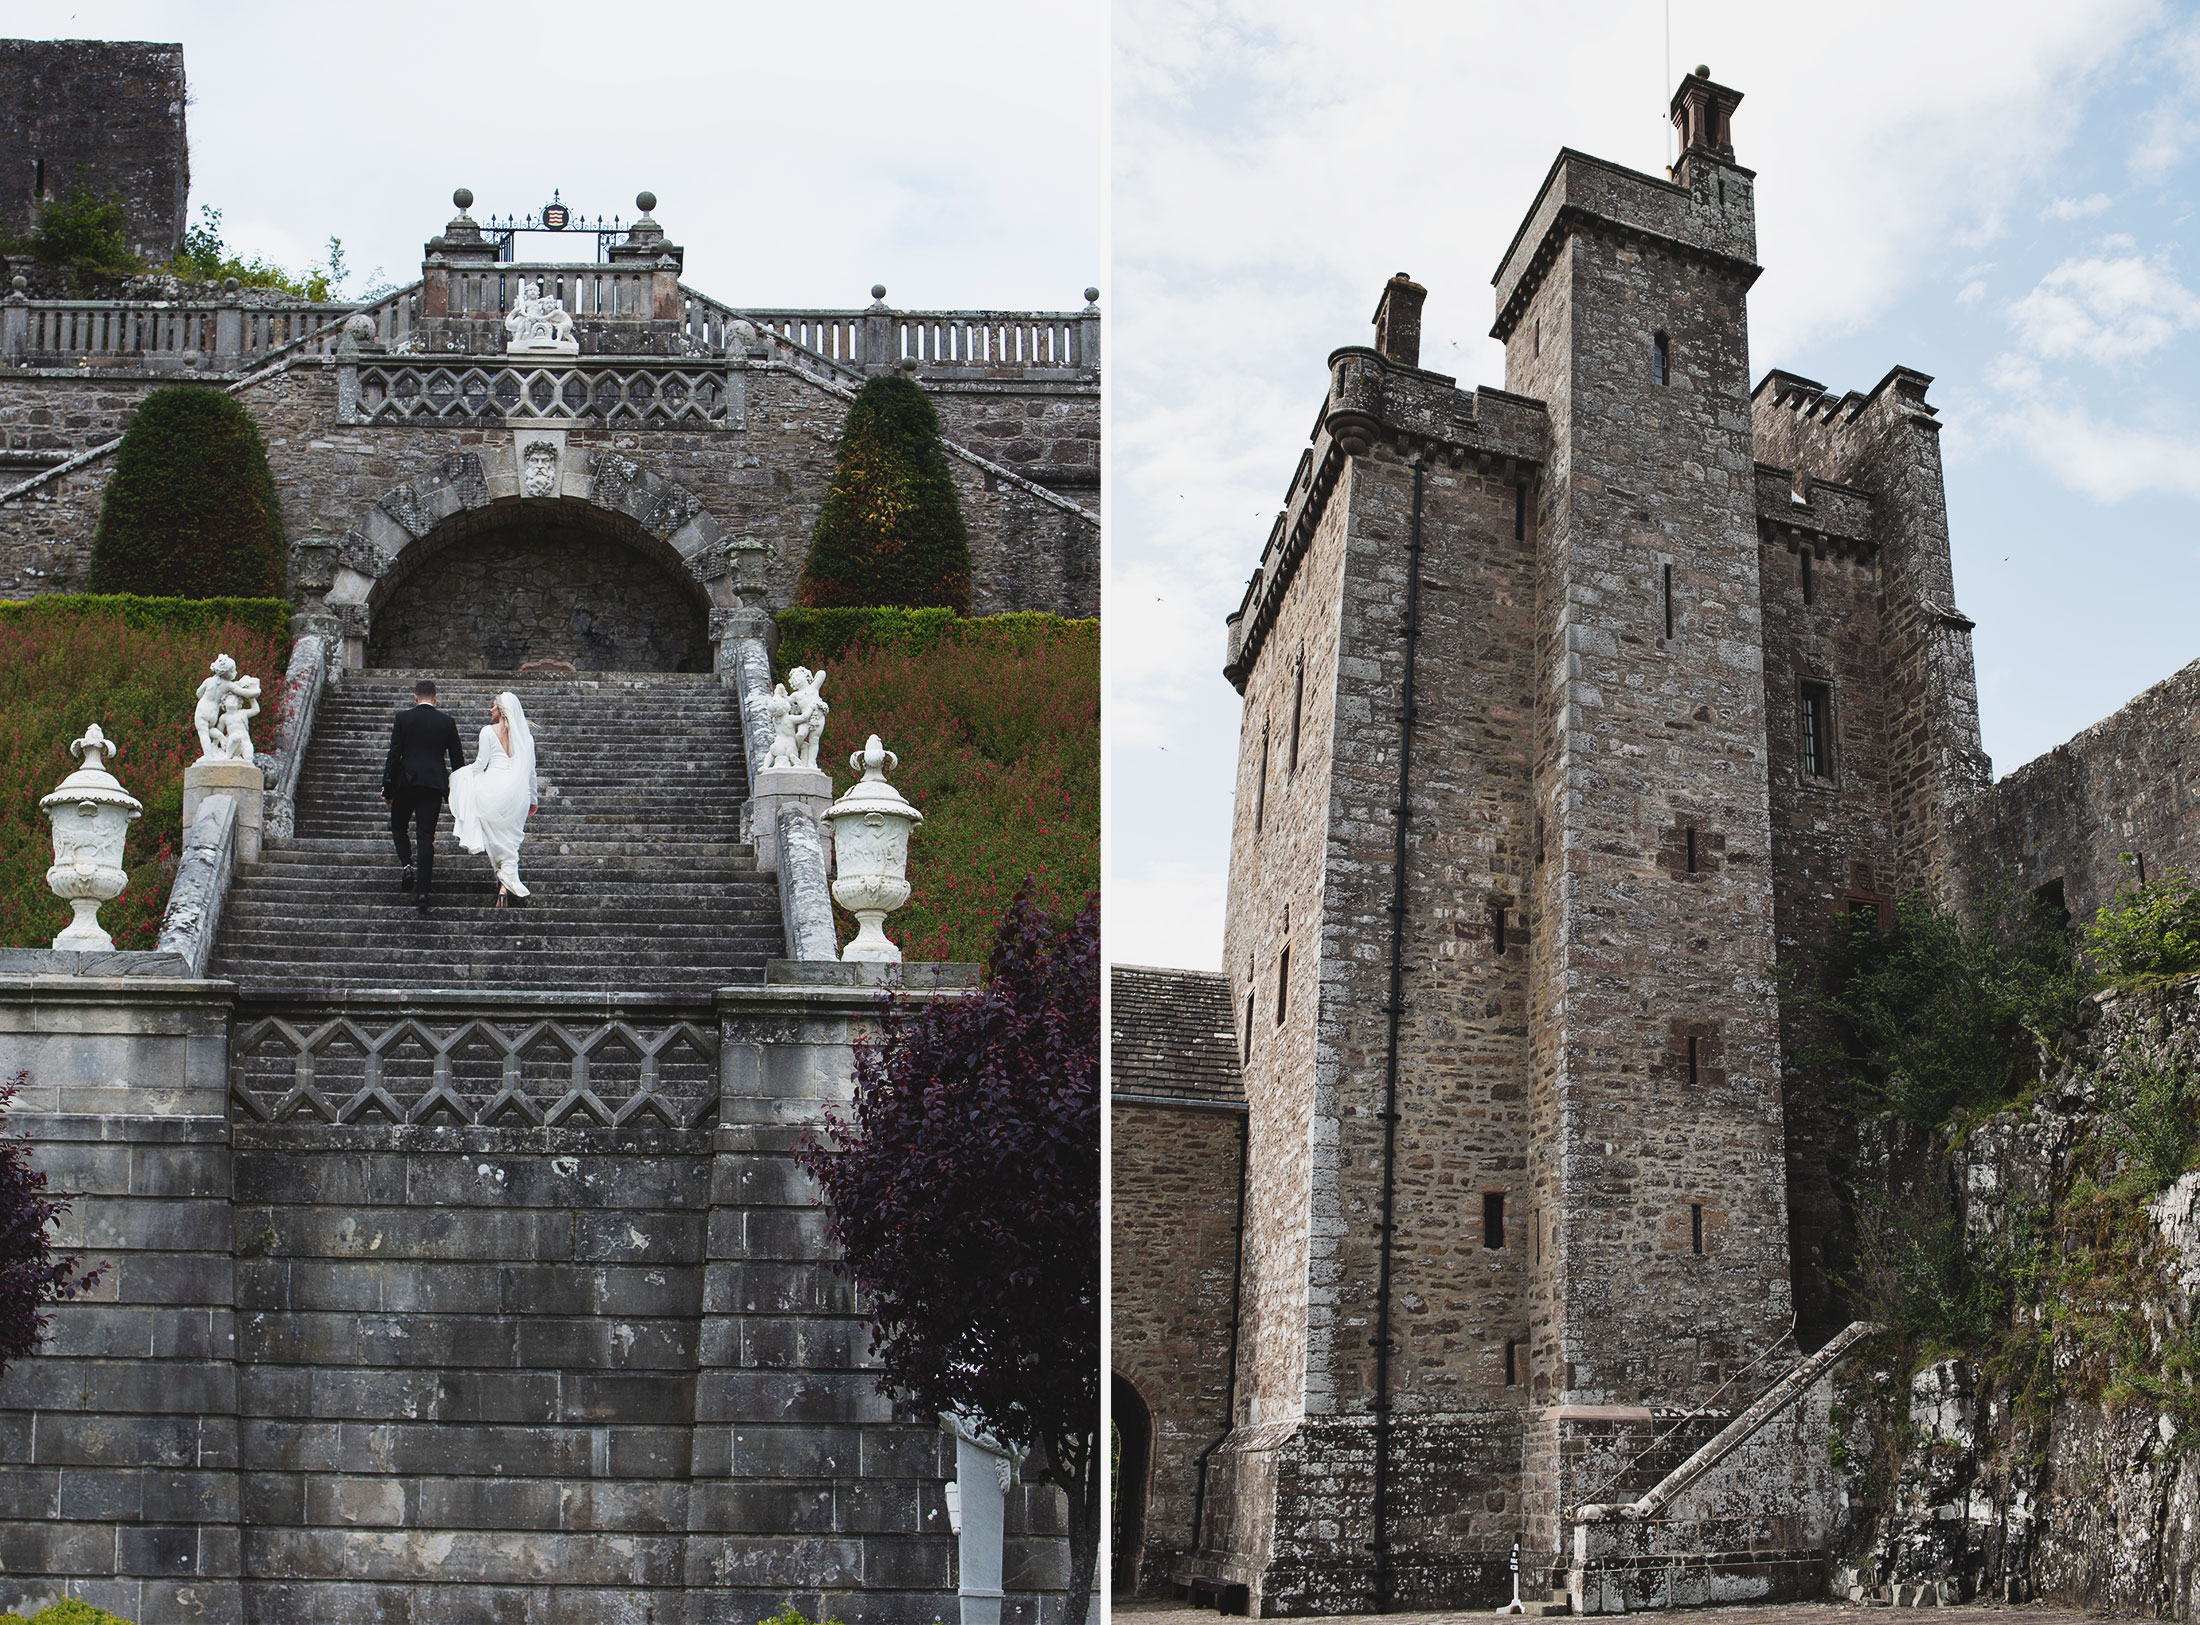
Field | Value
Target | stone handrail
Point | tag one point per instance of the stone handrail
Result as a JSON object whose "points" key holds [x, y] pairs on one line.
{"points": [[991, 342], [201, 885], [302, 685], [791, 844], [1775, 1399], [220, 334]]}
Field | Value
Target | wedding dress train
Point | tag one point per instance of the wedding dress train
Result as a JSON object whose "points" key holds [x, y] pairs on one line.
{"points": [[491, 794]]}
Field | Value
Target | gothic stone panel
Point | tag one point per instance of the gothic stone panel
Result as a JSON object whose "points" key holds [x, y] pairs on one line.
{"points": [[549, 591]]}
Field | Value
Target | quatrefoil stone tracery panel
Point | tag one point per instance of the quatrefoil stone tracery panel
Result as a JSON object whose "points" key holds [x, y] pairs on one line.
{"points": [[475, 1071], [631, 395]]}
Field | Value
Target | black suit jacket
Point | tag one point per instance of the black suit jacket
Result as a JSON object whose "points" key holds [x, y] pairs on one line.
{"points": [[421, 739]]}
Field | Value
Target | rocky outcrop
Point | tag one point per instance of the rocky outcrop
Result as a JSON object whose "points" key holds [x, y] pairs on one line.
{"points": [[2060, 1459]]}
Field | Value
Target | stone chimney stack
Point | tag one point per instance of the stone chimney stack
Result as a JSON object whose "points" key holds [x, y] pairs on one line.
{"points": [[1398, 320], [1703, 113]]}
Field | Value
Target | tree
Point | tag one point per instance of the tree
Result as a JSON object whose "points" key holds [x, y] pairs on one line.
{"points": [[32, 1275], [891, 531], [84, 227], [191, 510], [964, 1194]]}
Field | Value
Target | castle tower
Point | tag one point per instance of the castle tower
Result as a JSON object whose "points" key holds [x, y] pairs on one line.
{"points": [[1502, 914]]}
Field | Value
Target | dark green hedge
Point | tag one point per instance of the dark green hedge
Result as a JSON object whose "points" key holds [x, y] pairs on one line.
{"points": [[891, 529], [808, 637], [268, 615], [191, 509]]}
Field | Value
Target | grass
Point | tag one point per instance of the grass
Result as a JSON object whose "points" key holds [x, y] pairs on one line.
{"points": [[1000, 750], [59, 674]]}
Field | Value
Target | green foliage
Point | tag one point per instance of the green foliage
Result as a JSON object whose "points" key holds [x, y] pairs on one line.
{"points": [[814, 637], [206, 258], [191, 509], [2149, 930], [791, 1615], [1933, 1286], [267, 616], [59, 673], [72, 1611], [1944, 1014], [891, 530], [999, 743], [83, 227], [2151, 1126]]}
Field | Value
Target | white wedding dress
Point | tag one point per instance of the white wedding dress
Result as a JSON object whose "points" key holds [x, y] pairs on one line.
{"points": [[490, 795]]}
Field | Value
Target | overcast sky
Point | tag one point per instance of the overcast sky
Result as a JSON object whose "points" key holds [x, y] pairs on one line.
{"points": [[1998, 194], [952, 151]]}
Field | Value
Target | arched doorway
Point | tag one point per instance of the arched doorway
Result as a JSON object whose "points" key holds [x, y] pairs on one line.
{"points": [[493, 588], [1133, 1476]]}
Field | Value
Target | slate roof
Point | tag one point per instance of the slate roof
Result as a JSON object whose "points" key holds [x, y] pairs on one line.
{"points": [[1172, 1035]]}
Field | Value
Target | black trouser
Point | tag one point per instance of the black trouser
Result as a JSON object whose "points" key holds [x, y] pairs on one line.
{"points": [[420, 809]]}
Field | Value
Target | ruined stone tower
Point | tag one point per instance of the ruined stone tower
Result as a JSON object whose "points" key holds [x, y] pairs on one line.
{"points": [[1565, 718]]}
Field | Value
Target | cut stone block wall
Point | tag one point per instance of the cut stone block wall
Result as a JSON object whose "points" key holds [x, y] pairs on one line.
{"points": [[374, 1347]]}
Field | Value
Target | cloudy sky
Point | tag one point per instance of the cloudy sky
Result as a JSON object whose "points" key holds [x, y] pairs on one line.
{"points": [[1999, 194], [799, 153]]}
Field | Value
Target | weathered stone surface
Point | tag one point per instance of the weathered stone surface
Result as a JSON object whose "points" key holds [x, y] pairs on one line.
{"points": [[108, 114]]}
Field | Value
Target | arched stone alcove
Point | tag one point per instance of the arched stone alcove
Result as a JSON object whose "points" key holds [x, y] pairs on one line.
{"points": [[492, 588]]}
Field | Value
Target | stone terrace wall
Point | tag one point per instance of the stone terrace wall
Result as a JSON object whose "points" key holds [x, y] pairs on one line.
{"points": [[765, 484], [1176, 1137], [444, 1360], [107, 112], [2069, 816]]}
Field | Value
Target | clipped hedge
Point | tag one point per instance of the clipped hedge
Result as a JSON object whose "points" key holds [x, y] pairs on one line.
{"points": [[270, 617], [191, 509], [891, 528], [997, 724], [75, 1611], [59, 673], [809, 636]]}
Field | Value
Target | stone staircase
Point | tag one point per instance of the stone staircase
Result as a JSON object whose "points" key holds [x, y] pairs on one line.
{"points": [[640, 881]]}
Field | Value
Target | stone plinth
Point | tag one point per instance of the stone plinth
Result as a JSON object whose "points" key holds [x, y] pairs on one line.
{"points": [[243, 783], [810, 788]]}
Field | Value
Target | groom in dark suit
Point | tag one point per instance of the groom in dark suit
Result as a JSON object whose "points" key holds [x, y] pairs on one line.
{"points": [[415, 781]]}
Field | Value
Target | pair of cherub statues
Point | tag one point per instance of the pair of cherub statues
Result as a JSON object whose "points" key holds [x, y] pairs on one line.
{"points": [[798, 718], [227, 705]]}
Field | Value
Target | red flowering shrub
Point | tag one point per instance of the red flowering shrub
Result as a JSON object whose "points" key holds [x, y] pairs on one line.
{"points": [[32, 1274], [1000, 750], [57, 676]]}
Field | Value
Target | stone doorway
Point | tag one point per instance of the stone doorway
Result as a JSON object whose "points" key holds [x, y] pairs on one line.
{"points": [[495, 588], [1133, 1469]]}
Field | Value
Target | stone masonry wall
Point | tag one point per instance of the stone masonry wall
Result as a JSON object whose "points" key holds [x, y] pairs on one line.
{"points": [[2071, 816], [109, 113], [406, 1370], [1657, 1095], [765, 484], [1172, 1182], [556, 592]]}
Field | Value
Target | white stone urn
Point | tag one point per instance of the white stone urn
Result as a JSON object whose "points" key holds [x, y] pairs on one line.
{"points": [[91, 815], [871, 826]]}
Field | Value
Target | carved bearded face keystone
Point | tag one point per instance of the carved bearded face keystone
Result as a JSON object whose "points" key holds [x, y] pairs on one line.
{"points": [[538, 476]]}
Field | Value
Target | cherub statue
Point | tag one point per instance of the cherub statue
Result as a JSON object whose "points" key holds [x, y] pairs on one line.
{"points": [[207, 715], [239, 706], [798, 719], [536, 322], [810, 711]]}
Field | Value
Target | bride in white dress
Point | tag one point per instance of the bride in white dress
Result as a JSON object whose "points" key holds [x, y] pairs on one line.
{"points": [[493, 795]]}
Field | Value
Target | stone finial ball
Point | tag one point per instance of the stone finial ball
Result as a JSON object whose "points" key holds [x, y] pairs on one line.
{"points": [[464, 198], [21, 282], [645, 201], [229, 284], [1092, 296], [1702, 72], [878, 290]]}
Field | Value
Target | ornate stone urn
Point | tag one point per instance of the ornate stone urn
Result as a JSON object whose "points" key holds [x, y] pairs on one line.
{"points": [[91, 815], [871, 826]]}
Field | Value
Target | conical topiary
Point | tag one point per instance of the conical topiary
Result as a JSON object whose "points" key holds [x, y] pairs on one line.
{"points": [[891, 531], [191, 510]]}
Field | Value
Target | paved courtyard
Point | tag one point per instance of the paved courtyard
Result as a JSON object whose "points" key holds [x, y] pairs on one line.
{"points": [[1794, 1613]]}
